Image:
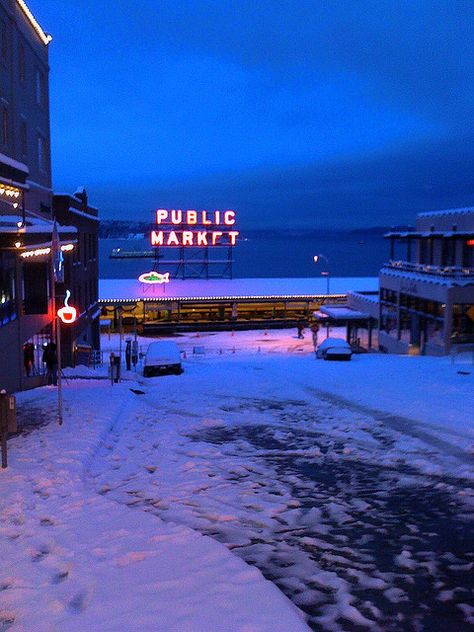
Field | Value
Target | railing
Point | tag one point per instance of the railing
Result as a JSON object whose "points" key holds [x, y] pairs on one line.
{"points": [[423, 268]]}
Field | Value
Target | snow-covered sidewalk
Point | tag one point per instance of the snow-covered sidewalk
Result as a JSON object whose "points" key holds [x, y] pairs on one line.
{"points": [[72, 559], [349, 485]]}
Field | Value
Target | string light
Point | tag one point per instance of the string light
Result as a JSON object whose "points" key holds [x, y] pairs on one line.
{"points": [[41, 252], [8, 191]]}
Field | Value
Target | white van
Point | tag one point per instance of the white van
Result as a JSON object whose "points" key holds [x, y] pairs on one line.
{"points": [[162, 357]]}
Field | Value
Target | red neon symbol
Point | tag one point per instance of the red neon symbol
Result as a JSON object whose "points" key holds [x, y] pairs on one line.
{"points": [[67, 314], [470, 242]]}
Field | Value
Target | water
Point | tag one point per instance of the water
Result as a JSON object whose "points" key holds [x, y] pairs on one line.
{"points": [[273, 255]]}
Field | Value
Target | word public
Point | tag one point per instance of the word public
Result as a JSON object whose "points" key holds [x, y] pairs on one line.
{"points": [[194, 228]]}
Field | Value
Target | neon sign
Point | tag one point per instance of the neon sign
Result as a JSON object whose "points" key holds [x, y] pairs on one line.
{"points": [[154, 277], [470, 242], [178, 228], [68, 313]]}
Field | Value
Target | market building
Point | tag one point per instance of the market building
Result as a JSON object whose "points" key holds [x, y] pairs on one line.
{"points": [[427, 290], [213, 304], [32, 244]]}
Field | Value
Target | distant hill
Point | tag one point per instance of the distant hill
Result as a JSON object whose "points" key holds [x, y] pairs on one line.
{"points": [[121, 229]]}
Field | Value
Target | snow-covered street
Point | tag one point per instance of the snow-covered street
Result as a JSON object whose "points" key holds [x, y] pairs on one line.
{"points": [[348, 485]]}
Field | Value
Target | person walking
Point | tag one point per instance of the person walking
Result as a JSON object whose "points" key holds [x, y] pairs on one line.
{"points": [[50, 358], [28, 357], [314, 333], [128, 354], [300, 329]]}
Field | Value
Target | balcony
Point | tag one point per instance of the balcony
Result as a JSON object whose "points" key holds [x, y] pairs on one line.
{"points": [[449, 272]]}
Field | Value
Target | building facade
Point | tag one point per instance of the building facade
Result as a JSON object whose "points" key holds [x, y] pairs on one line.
{"points": [[29, 237], [25, 154], [81, 272], [427, 286]]}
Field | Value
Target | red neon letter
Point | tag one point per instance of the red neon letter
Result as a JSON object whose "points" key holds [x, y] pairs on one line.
{"points": [[187, 237], [205, 221], [216, 235], [191, 217], [156, 238], [233, 234], [161, 215], [172, 239], [202, 238], [176, 217], [229, 218]]}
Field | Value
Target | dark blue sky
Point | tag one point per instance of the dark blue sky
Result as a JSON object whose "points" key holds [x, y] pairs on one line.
{"points": [[319, 113]]}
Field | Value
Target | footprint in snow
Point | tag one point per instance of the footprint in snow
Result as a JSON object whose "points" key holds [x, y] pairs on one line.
{"points": [[78, 603]]}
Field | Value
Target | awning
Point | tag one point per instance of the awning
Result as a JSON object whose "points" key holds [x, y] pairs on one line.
{"points": [[335, 312]]}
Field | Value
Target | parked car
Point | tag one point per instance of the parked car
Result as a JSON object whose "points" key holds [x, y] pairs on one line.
{"points": [[334, 349], [162, 357]]}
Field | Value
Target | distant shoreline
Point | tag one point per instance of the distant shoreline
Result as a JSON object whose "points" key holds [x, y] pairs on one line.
{"points": [[123, 230]]}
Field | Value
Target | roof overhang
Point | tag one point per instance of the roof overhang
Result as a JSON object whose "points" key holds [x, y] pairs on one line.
{"points": [[44, 37]]}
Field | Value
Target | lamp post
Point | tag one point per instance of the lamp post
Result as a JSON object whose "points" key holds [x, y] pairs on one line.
{"points": [[316, 259]]}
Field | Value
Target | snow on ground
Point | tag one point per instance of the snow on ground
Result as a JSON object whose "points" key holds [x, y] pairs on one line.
{"points": [[72, 559], [349, 485]]}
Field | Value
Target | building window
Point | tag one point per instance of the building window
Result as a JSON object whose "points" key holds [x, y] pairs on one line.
{"points": [[7, 297], [4, 42], [39, 87], [41, 154], [24, 137], [35, 288], [5, 125], [21, 63]]}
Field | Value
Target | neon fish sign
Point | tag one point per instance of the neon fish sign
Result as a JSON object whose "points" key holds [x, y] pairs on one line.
{"points": [[154, 277], [194, 228]]}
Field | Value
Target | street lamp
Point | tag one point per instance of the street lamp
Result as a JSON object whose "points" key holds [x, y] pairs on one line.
{"points": [[316, 259]]}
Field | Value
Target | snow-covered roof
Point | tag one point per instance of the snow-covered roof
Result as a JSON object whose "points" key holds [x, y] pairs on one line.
{"points": [[83, 214], [450, 211], [14, 164], [8, 224], [343, 313], [130, 290], [368, 298]]}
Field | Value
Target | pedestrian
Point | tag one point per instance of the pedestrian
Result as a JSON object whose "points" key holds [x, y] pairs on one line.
{"points": [[300, 329], [50, 358], [314, 333], [135, 353], [128, 354], [28, 357]]}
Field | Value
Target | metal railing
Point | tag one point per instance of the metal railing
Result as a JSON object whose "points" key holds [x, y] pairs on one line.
{"points": [[424, 268]]}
